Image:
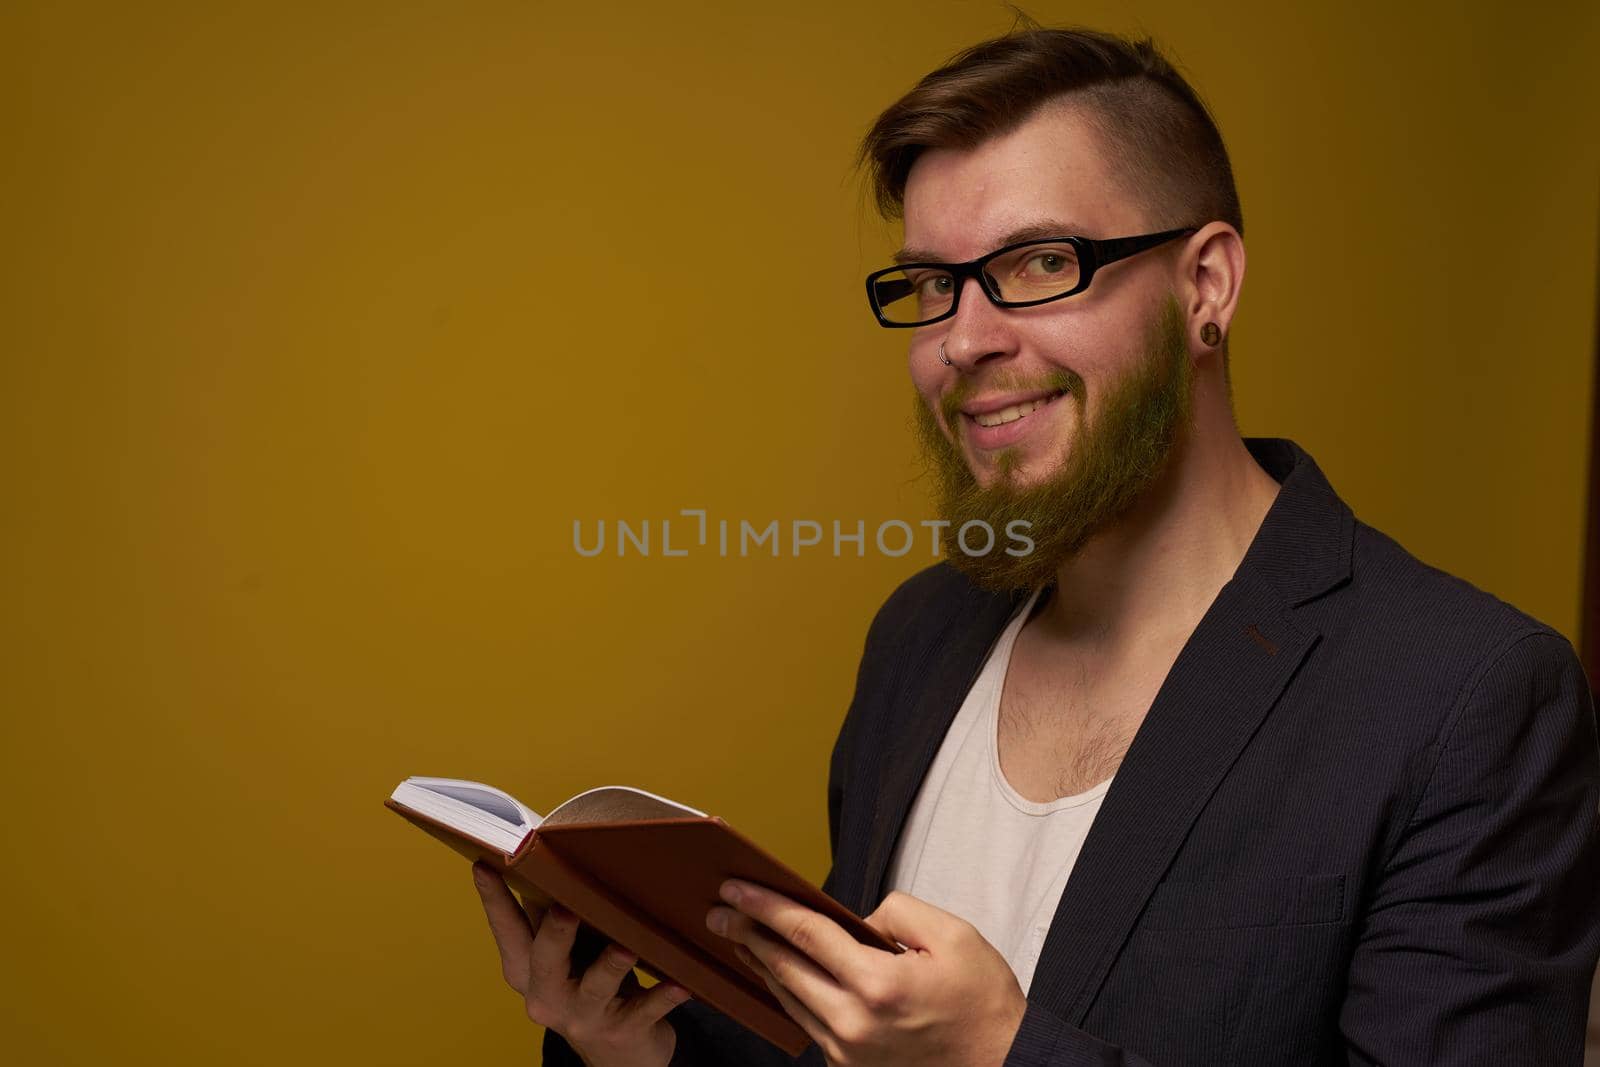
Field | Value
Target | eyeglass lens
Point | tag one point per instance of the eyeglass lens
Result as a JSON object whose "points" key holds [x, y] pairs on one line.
{"points": [[1033, 272]]}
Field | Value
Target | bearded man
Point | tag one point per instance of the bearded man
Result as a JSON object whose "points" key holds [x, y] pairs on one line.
{"points": [[1217, 773]]}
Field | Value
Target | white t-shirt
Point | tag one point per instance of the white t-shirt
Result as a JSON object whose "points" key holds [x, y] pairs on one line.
{"points": [[974, 846]]}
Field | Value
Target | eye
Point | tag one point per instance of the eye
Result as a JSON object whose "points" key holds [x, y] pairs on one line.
{"points": [[1047, 263], [933, 285]]}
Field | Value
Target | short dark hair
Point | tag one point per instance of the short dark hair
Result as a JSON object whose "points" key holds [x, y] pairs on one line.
{"points": [[1157, 134]]}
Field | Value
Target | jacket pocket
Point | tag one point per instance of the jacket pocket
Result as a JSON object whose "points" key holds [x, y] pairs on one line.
{"points": [[1246, 902]]}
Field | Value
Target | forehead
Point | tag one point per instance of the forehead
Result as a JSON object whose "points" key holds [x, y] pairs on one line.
{"points": [[960, 203]]}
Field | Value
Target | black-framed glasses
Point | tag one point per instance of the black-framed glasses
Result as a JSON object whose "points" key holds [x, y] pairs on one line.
{"points": [[1016, 276]]}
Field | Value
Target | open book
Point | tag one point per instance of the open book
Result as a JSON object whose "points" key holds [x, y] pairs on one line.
{"points": [[637, 869]]}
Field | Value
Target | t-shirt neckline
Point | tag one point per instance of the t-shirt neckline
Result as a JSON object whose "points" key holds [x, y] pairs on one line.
{"points": [[991, 726]]}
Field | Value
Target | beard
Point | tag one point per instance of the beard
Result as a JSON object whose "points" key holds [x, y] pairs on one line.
{"points": [[1108, 465]]}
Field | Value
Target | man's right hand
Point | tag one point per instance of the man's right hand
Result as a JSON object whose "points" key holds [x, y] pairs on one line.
{"points": [[607, 1017]]}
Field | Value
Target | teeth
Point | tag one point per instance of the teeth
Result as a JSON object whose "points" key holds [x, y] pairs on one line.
{"points": [[1012, 413]]}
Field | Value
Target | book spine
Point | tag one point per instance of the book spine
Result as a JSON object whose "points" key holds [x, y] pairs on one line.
{"points": [[541, 869]]}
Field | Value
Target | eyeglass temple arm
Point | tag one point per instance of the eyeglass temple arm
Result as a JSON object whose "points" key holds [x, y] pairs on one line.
{"points": [[1115, 248]]}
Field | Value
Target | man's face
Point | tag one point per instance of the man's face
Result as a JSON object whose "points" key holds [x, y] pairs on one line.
{"points": [[1105, 373]]}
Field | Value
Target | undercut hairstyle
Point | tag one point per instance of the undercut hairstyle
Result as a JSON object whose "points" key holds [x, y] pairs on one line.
{"points": [[1157, 135]]}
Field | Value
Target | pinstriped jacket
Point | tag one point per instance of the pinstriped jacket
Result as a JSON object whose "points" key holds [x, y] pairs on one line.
{"points": [[1360, 823]]}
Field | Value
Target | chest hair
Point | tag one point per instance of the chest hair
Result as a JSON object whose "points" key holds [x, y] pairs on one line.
{"points": [[1062, 731]]}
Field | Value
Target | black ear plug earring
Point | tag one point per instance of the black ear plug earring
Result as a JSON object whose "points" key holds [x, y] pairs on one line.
{"points": [[1209, 333]]}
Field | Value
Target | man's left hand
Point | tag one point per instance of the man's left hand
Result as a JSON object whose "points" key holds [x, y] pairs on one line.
{"points": [[949, 998]]}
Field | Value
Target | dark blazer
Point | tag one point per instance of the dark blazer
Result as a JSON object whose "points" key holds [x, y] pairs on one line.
{"points": [[1357, 826]]}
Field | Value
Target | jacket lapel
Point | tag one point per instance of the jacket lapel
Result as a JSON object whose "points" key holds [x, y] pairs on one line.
{"points": [[1223, 683], [946, 671], [1219, 689]]}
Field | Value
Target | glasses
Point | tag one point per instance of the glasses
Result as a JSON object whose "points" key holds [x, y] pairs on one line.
{"points": [[1016, 276]]}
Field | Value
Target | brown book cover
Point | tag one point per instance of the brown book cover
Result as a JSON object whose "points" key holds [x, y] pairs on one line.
{"points": [[642, 872]]}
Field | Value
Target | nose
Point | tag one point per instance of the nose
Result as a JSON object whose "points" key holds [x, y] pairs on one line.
{"points": [[978, 331]]}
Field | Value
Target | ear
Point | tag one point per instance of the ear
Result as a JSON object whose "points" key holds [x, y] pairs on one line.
{"points": [[1210, 275]]}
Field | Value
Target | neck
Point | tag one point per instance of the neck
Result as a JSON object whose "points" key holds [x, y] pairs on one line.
{"points": [[1149, 578]]}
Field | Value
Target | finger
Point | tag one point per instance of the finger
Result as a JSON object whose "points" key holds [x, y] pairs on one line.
{"points": [[549, 960], [810, 932], [513, 933], [802, 1015], [650, 1007], [604, 978], [817, 990]]}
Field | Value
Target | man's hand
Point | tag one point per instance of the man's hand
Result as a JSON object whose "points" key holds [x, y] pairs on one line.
{"points": [[951, 998], [605, 1016]]}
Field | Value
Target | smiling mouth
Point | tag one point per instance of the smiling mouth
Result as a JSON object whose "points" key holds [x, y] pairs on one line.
{"points": [[1015, 411]]}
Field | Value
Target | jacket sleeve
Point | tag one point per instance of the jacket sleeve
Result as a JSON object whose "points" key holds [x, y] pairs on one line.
{"points": [[1480, 940], [706, 1038]]}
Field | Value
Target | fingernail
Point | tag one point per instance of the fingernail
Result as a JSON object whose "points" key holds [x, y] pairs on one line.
{"points": [[480, 874], [677, 996]]}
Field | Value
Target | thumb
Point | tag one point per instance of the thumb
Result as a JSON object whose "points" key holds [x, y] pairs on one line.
{"points": [[913, 922]]}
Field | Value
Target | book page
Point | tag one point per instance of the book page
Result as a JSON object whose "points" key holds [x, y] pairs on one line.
{"points": [[485, 798], [482, 812], [617, 803]]}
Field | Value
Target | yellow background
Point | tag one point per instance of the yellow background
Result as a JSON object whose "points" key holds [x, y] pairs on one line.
{"points": [[323, 322]]}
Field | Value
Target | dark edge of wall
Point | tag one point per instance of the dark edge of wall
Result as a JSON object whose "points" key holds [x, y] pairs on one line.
{"points": [[1589, 620]]}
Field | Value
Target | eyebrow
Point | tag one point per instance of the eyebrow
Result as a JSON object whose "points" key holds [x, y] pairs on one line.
{"points": [[1031, 232]]}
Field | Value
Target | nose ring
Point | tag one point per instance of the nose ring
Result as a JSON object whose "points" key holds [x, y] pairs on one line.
{"points": [[942, 357]]}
